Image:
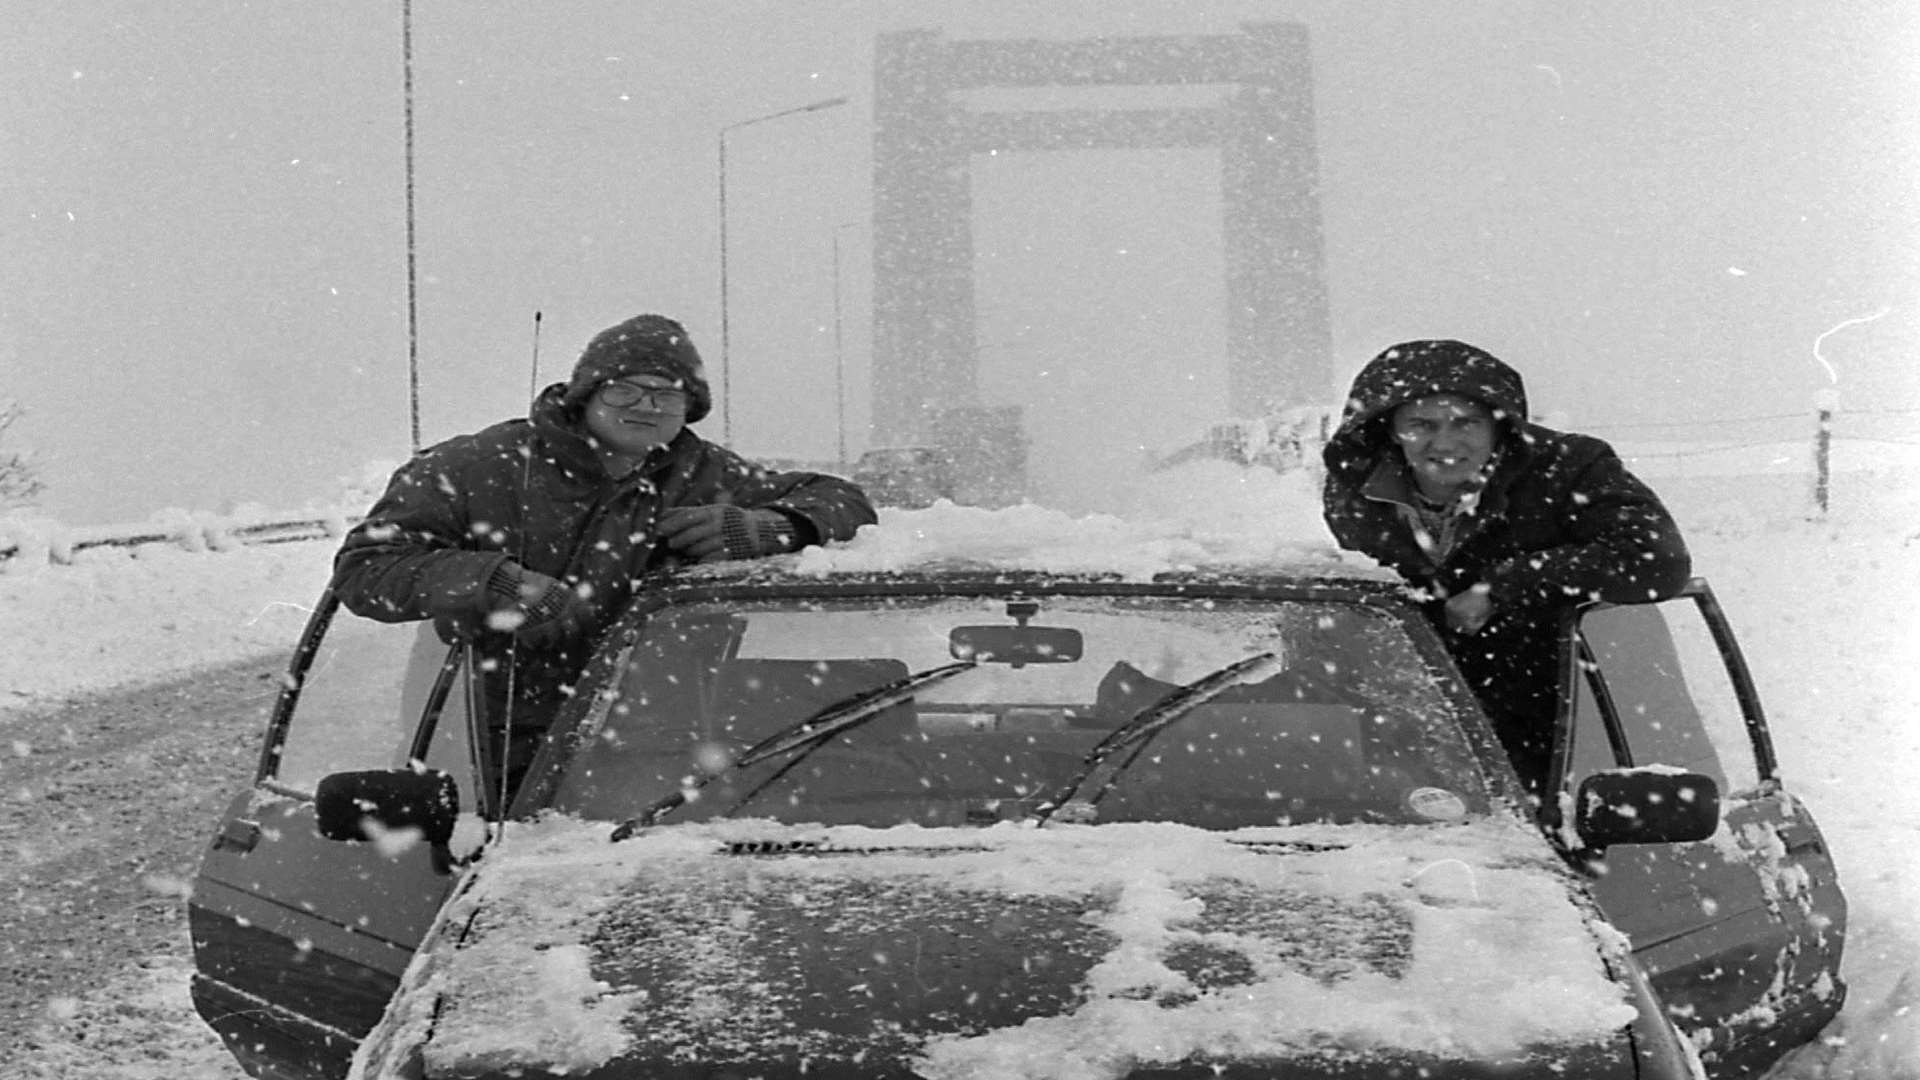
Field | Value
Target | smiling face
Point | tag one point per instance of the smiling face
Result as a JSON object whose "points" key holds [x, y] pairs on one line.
{"points": [[632, 416], [1447, 441]]}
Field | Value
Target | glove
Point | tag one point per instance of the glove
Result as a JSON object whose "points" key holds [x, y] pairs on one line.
{"points": [[1469, 611], [529, 605], [705, 533]]}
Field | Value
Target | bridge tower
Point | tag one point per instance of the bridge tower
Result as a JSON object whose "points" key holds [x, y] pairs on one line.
{"points": [[925, 364]]}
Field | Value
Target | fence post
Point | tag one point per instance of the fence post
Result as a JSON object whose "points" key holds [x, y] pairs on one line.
{"points": [[1825, 404]]}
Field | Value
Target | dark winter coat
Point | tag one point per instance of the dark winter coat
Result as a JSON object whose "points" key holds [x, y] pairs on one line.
{"points": [[533, 491], [1560, 522]]}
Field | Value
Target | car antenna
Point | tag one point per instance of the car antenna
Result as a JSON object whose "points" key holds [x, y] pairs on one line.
{"points": [[520, 556]]}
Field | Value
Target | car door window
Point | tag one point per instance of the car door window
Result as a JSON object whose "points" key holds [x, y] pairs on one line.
{"points": [[1673, 697], [361, 703]]}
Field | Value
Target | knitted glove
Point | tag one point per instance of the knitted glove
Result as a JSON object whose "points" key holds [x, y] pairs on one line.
{"points": [[523, 599], [517, 601], [705, 533]]}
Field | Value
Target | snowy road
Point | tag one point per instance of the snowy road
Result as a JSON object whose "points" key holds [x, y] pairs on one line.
{"points": [[94, 963]]}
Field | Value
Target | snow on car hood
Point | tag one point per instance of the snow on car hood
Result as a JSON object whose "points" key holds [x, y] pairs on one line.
{"points": [[1079, 952]]}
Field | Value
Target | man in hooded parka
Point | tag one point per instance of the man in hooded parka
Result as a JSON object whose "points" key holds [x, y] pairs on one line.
{"points": [[1437, 473], [526, 538]]}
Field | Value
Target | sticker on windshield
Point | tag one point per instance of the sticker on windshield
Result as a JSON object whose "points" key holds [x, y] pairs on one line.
{"points": [[1436, 804]]}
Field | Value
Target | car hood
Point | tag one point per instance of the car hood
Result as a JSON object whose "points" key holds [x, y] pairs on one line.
{"points": [[1014, 952]]}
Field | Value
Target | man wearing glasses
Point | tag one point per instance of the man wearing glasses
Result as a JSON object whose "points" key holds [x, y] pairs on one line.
{"points": [[527, 537]]}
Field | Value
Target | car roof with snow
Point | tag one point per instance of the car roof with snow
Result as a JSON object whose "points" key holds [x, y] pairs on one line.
{"points": [[1033, 543]]}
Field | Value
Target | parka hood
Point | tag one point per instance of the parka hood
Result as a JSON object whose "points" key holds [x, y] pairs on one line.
{"points": [[551, 409], [558, 424], [1417, 369]]}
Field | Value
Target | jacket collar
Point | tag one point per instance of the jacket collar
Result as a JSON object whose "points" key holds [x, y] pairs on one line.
{"points": [[1389, 483]]}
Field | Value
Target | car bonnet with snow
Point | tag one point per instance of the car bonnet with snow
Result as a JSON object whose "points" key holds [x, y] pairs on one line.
{"points": [[1131, 949], [1074, 852]]}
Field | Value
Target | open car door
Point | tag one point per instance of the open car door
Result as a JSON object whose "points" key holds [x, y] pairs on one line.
{"points": [[1740, 933], [299, 941]]}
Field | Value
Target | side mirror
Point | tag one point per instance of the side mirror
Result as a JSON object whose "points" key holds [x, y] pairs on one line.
{"points": [[1646, 806], [390, 799]]}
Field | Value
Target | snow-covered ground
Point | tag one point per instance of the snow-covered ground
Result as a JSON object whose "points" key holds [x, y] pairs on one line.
{"points": [[1826, 607]]}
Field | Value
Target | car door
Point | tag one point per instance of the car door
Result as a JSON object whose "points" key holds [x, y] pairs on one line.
{"points": [[298, 940], [1740, 933]]}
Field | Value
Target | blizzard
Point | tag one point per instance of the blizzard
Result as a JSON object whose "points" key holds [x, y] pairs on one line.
{"points": [[1823, 600]]}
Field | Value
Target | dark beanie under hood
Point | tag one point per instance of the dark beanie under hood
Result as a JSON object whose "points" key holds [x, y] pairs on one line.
{"points": [[642, 345], [1417, 369]]}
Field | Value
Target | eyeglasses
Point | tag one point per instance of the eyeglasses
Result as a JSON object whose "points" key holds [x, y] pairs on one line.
{"points": [[619, 395]]}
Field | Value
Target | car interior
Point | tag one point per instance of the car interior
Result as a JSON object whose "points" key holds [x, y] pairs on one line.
{"points": [[1291, 747]]}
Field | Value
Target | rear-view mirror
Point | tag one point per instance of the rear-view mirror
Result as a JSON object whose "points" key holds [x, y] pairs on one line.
{"points": [[1016, 645], [1646, 806]]}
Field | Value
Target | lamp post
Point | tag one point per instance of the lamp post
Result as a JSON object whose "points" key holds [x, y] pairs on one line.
{"points": [[726, 365], [839, 349]]}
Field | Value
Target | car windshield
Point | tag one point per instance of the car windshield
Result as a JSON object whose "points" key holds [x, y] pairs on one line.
{"points": [[1347, 726]]}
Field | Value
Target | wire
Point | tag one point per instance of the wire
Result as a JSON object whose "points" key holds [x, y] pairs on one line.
{"points": [[1723, 420], [413, 306], [1716, 448]]}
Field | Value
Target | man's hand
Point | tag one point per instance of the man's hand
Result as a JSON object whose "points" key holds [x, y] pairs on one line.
{"points": [[535, 604], [1470, 610], [532, 606], [704, 533]]}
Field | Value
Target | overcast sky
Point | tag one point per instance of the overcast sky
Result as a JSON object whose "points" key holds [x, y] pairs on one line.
{"points": [[1655, 210]]}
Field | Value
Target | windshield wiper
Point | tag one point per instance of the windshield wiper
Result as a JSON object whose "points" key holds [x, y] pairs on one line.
{"points": [[804, 737], [1140, 729]]}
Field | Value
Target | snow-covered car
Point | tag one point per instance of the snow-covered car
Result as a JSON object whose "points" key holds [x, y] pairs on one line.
{"points": [[959, 820], [905, 476]]}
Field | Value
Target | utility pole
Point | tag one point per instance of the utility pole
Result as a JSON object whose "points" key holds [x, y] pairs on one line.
{"points": [[726, 361]]}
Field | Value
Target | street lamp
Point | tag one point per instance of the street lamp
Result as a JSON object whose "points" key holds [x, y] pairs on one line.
{"points": [[726, 366], [839, 348]]}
